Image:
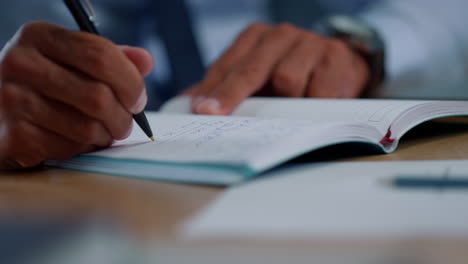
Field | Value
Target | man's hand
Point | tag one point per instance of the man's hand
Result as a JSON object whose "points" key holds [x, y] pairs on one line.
{"points": [[281, 61], [63, 93]]}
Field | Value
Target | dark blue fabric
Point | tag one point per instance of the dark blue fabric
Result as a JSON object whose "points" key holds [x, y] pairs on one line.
{"points": [[344, 6], [304, 13], [174, 27], [170, 22]]}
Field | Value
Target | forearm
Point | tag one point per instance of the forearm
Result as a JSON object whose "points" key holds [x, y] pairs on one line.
{"points": [[426, 46]]}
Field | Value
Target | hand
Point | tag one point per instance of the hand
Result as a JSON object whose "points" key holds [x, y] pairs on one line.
{"points": [[63, 93], [282, 61]]}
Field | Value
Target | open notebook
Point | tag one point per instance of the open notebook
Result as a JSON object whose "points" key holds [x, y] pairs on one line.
{"points": [[261, 134]]}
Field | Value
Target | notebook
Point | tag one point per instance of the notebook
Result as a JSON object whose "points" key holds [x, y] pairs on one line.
{"points": [[261, 134]]}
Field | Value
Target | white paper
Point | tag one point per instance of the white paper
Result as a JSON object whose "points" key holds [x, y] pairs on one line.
{"points": [[374, 112], [210, 140], [338, 201]]}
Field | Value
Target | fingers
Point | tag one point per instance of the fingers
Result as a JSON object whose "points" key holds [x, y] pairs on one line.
{"points": [[92, 98], [292, 75], [281, 61], [24, 104], [92, 55], [64, 93], [29, 146], [141, 58], [359, 77], [251, 74], [340, 75], [244, 43]]}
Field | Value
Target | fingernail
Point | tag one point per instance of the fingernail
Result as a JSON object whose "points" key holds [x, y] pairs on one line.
{"points": [[141, 103], [197, 100], [194, 102], [209, 106]]}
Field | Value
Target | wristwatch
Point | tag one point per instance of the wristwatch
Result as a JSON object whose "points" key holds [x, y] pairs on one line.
{"points": [[362, 38]]}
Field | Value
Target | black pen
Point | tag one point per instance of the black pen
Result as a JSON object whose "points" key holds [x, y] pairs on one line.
{"points": [[85, 21]]}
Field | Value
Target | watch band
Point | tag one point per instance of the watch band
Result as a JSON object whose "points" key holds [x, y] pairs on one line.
{"points": [[363, 39]]}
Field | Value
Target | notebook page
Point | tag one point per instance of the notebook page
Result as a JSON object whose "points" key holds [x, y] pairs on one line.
{"points": [[220, 140], [374, 112]]}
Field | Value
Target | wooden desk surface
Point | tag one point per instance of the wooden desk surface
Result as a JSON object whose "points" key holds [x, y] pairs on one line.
{"points": [[153, 209]]}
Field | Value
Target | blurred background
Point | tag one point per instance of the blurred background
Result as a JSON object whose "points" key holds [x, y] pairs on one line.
{"points": [[426, 42]]}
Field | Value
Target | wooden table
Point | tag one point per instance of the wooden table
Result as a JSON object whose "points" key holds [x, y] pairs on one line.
{"points": [[153, 210]]}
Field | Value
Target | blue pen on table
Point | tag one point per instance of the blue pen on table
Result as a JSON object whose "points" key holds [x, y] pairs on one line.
{"points": [[86, 22], [414, 182]]}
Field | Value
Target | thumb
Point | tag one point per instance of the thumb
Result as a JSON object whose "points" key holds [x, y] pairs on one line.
{"points": [[141, 58]]}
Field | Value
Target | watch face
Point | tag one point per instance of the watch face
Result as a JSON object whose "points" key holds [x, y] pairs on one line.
{"points": [[351, 26]]}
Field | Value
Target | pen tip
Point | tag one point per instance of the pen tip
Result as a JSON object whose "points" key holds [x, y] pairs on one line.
{"points": [[152, 138]]}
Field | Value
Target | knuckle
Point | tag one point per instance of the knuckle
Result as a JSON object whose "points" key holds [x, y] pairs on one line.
{"points": [[10, 96], [311, 38], [58, 39], [7, 93], [286, 83], [99, 99], [90, 132], [33, 27], [218, 68], [98, 55], [337, 46], [13, 63], [286, 27], [251, 33], [47, 76], [258, 26], [15, 135], [285, 31], [97, 59], [32, 30], [251, 73]]}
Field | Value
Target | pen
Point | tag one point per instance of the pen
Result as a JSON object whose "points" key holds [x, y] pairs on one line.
{"points": [[428, 182], [85, 20]]}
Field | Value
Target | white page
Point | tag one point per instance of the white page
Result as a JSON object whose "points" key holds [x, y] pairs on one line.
{"points": [[374, 112], [259, 143], [338, 201]]}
